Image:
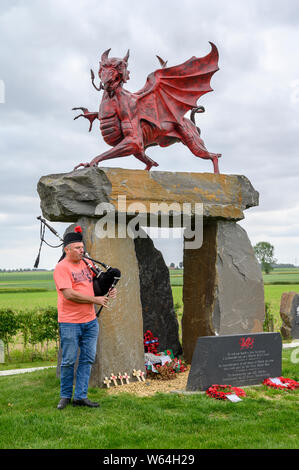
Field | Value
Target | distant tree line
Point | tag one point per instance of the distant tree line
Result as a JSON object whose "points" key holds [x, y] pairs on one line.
{"points": [[179, 266], [21, 270], [284, 265]]}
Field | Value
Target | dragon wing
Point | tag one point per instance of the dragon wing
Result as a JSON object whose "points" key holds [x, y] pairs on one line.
{"points": [[170, 92]]}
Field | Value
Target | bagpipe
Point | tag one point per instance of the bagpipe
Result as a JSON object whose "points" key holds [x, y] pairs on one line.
{"points": [[103, 281]]}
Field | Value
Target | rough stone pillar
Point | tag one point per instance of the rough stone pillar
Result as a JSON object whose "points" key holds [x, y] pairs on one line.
{"points": [[120, 345], [289, 313], [223, 286], [156, 296], [199, 290]]}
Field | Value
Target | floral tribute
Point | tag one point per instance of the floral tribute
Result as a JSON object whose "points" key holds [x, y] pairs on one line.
{"points": [[166, 366], [151, 343], [285, 383], [168, 370], [165, 372], [220, 392]]}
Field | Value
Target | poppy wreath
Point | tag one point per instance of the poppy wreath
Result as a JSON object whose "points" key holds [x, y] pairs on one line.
{"points": [[220, 391], [287, 383], [150, 342]]}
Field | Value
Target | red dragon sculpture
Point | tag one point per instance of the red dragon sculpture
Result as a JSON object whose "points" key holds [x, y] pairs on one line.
{"points": [[132, 122]]}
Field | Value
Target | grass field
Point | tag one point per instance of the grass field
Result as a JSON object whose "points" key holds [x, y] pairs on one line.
{"points": [[264, 419], [19, 290]]}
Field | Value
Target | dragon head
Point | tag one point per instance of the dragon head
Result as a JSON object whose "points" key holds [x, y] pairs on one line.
{"points": [[113, 72]]}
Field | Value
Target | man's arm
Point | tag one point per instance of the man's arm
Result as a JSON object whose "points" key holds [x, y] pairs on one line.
{"points": [[75, 296]]}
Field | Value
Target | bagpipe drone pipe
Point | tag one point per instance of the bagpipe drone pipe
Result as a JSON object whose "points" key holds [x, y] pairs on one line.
{"points": [[103, 281]]}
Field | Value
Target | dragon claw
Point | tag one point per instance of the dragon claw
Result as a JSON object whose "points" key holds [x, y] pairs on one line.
{"points": [[85, 165], [149, 165]]}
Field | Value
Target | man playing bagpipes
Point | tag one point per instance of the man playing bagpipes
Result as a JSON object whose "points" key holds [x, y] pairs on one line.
{"points": [[78, 325]]}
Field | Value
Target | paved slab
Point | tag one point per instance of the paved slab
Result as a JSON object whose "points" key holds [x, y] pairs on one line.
{"points": [[23, 371]]}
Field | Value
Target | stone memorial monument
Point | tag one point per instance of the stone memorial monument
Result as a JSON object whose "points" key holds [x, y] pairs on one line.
{"points": [[223, 287], [289, 313]]}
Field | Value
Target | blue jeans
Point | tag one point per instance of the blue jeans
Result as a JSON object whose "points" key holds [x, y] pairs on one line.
{"points": [[72, 337]]}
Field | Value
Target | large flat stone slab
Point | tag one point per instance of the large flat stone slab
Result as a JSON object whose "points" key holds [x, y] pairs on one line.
{"points": [[68, 196]]}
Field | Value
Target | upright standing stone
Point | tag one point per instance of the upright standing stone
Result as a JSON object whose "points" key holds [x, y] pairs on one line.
{"points": [[156, 296], [223, 286], [120, 344], [289, 312]]}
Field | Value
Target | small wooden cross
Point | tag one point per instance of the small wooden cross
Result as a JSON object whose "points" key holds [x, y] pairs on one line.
{"points": [[126, 377], [120, 378], [107, 382], [114, 378], [136, 373], [142, 375]]}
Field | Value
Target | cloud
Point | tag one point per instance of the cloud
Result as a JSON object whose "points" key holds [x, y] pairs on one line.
{"points": [[47, 49]]}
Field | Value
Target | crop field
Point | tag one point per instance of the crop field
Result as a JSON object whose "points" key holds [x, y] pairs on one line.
{"points": [[27, 290]]}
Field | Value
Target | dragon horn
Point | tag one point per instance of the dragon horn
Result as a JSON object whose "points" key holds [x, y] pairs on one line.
{"points": [[127, 56], [105, 55], [163, 63]]}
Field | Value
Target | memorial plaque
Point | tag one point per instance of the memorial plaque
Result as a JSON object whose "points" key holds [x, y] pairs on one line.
{"points": [[235, 360]]}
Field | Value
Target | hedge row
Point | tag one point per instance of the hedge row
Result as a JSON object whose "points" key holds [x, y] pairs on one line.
{"points": [[36, 327]]}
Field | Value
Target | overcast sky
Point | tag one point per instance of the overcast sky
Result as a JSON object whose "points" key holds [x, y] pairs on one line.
{"points": [[47, 48]]}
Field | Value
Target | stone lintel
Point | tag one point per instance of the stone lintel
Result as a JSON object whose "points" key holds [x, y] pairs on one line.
{"points": [[66, 197]]}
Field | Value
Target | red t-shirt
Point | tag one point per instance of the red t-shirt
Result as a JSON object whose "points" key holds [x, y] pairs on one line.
{"points": [[78, 277]]}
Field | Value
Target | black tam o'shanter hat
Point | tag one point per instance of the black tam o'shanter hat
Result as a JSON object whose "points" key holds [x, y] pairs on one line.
{"points": [[73, 237]]}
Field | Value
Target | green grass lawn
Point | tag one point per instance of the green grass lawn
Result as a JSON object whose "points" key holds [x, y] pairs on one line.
{"points": [[265, 419]]}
